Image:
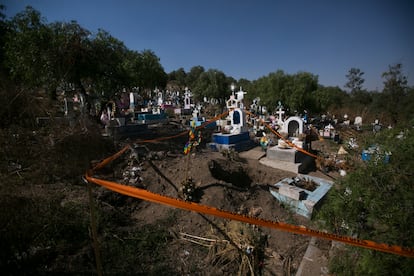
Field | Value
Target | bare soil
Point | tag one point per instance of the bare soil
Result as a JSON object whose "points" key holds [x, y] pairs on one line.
{"points": [[47, 226]]}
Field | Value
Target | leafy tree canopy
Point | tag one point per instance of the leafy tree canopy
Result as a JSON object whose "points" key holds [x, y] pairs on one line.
{"points": [[393, 98], [212, 84], [63, 54], [355, 80], [294, 91]]}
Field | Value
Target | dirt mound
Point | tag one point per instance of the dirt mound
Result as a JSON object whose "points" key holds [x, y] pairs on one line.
{"points": [[136, 236]]}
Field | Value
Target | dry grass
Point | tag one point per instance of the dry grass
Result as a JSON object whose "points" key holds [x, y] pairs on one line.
{"points": [[241, 249]]}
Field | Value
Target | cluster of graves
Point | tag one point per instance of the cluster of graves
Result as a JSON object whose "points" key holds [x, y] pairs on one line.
{"points": [[130, 114]]}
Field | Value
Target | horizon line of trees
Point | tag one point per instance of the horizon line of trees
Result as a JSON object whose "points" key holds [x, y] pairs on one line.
{"points": [[66, 56]]}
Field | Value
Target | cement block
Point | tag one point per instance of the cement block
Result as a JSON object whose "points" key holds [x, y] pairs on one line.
{"points": [[281, 165], [306, 205], [292, 192], [276, 153], [221, 138]]}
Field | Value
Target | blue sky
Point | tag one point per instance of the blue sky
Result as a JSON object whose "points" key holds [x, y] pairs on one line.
{"points": [[252, 38]]}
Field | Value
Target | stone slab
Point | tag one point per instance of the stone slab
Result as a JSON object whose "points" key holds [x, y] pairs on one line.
{"points": [[223, 138], [255, 153], [276, 153], [314, 261], [281, 165], [239, 146]]}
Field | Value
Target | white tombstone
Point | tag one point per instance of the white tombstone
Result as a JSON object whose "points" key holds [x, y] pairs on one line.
{"points": [[236, 113], [254, 107], [131, 101], [187, 99], [213, 101], [376, 126], [109, 112], [238, 121], [346, 120], [197, 111], [293, 126], [160, 99], [358, 121]]}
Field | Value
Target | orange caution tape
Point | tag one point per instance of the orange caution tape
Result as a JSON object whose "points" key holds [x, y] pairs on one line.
{"points": [[191, 206], [212, 120], [283, 138], [108, 160]]}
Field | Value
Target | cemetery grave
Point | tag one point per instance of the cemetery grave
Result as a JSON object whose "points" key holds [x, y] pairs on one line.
{"points": [[227, 179]]}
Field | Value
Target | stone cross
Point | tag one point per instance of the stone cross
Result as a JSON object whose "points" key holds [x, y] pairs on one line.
{"points": [[240, 97], [240, 94], [195, 113], [280, 112]]}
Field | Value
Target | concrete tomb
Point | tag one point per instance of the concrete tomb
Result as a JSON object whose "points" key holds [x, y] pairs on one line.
{"points": [[285, 155], [293, 126], [302, 193], [236, 135]]}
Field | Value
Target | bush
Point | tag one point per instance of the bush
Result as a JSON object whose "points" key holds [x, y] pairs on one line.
{"points": [[375, 202]]}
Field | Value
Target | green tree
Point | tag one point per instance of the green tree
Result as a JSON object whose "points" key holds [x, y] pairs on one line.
{"points": [[112, 63], [178, 75], [394, 92], [294, 91], [151, 73], [355, 80], [328, 98], [193, 75], [3, 32], [375, 202], [244, 83], [177, 79], [212, 84], [41, 55], [394, 80], [303, 84], [26, 48], [68, 55], [131, 64], [271, 89]]}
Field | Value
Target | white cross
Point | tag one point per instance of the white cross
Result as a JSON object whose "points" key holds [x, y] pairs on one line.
{"points": [[240, 94], [280, 112]]}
